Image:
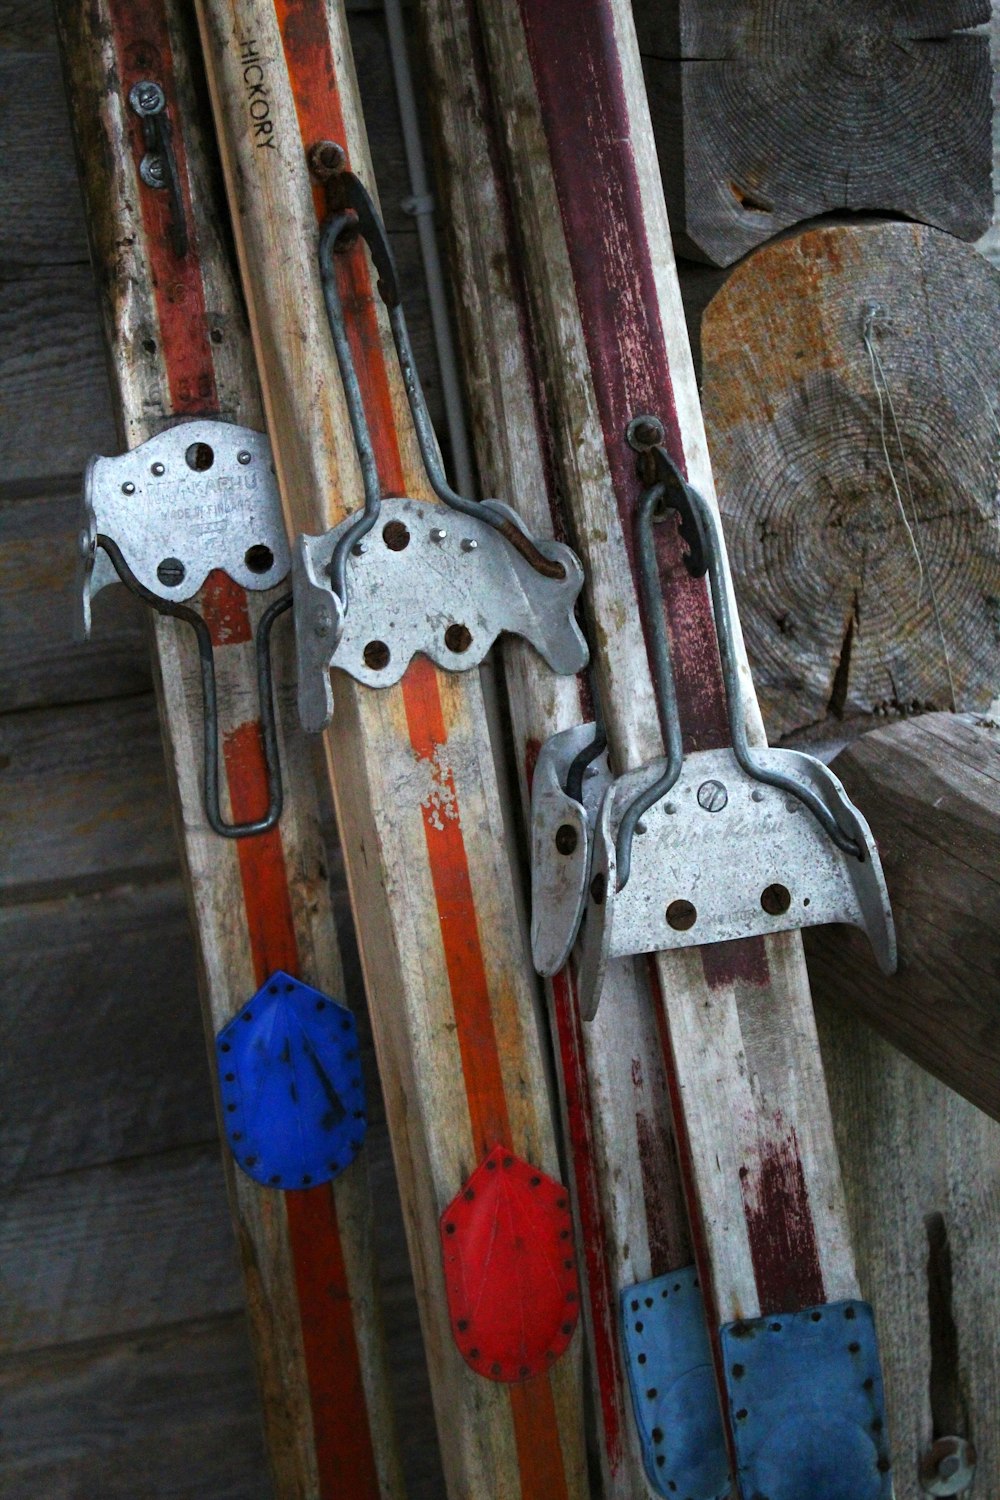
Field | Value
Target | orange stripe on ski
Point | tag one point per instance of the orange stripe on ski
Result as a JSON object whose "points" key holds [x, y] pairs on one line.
{"points": [[341, 1429], [308, 56]]}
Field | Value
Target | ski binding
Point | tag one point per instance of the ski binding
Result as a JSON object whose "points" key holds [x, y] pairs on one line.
{"points": [[160, 519], [703, 848], [400, 576]]}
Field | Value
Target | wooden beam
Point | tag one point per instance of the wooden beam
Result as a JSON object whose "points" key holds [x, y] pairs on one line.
{"points": [[931, 789], [858, 479], [411, 767], [178, 346], [765, 115]]}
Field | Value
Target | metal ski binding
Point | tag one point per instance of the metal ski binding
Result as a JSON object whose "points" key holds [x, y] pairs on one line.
{"points": [[704, 848], [159, 519], [400, 576]]}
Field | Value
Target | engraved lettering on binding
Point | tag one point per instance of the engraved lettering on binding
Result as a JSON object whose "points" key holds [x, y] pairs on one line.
{"points": [[258, 97]]}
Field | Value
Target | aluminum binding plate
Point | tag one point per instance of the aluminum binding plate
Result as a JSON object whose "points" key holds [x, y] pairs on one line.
{"points": [[727, 856], [198, 496], [431, 580]]}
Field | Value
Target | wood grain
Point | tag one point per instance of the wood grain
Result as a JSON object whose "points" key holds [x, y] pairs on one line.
{"points": [[842, 620], [922, 1173], [42, 664], [102, 1050], [747, 1072], [930, 789], [766, 115], [84, 800], [171, 1413], [452, 1005], [176, 334], [616, 1114]]}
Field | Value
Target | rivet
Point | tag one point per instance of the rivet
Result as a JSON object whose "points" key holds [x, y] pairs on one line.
{"points": [[469, 544], [438, 533], [158, 469], [243, 457], [128, 488]]}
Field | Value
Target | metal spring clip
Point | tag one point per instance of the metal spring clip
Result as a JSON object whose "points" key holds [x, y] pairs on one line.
{"points": [[367, 603], [703, 848], [196, 497]]}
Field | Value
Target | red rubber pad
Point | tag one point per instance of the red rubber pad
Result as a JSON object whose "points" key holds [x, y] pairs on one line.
{"points": [[510, 1269]]}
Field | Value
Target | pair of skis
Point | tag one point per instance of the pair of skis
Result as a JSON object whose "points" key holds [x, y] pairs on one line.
{"points": [[562, 250]]}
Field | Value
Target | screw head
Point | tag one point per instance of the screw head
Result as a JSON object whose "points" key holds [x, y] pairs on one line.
{"points": [[171, 572], [712, 796], [326, 159], [147, 97], [157, 469], [153, 170], [243, 457], [644, 432], [128, 488]]}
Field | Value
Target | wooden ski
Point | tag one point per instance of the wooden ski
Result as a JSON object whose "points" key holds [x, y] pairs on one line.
{"points": [[448, 977], [179, 348], [749, 1100], [630, 1210]]}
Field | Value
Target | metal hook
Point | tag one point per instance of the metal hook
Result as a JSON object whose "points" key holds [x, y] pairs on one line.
{"points": [[702, 531], [265, 689], [355, 217]]}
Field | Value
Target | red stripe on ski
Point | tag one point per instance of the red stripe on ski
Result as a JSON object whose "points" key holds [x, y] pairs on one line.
{"points": [[142, 44], [600, 1292], [306, 44], [344, 1455], [341, 1429], [781, 1231]]}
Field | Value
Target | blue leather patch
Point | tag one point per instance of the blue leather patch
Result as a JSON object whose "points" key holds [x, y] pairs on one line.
{"points": [[806, 1405], [293, 1100], [673, 1387]]}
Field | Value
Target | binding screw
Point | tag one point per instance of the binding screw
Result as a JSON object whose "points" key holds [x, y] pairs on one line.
{"points": [[147, 98], [712, 796], [326, 159], [243, 457], [644, 432], [153, 170]]}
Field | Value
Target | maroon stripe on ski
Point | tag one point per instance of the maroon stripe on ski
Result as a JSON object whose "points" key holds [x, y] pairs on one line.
{"points": [[587, 126]]}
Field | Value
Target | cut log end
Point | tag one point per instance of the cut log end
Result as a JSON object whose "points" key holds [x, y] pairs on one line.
{"points": [[852, 393]]}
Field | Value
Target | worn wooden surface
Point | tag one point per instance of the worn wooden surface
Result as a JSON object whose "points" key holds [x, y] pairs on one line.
{"points": [[931, 790], [448, 976], [125, 1370], [849, 609], [768, 114], [630, 1212]]}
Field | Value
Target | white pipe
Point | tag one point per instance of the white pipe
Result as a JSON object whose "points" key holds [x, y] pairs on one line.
{"points": [[421, 205]]}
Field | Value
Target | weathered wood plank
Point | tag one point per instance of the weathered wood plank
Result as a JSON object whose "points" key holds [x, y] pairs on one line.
{"points": [[43, 217], [84, 799], [117, 1248], [930, 789], [42, 663], [767, 115], [53, 382], [922, 1174], [822, 445], [170, 1414], [102, 1049]]}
